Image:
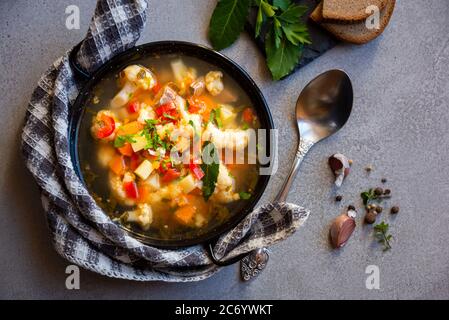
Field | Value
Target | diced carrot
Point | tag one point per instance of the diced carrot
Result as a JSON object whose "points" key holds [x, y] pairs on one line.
{"points": [[126, 150], [248, 115], [198, 202], [144, 191], [181, 200], [185, 214], [130, 128], [196, 191], [208, 103], [117, 165], [156, 88]]}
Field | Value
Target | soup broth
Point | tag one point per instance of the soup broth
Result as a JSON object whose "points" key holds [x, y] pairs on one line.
{"points": [[142, 138]]}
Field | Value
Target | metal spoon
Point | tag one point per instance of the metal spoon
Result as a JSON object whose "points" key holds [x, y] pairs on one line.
{"points": [[323, 107]]}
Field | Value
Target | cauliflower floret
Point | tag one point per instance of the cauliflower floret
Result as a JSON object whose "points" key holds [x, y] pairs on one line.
{"points": [[134, 77], [140, 76], [224, 189], [170, 191], [214, 84], [116, 186], [146, 113], [143, 216], [105, 154], [164, 130], [230, 138]]}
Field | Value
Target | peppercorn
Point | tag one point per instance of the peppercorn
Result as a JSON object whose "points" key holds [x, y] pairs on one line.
{"points": [[387, 191], [351, 207], [370, 217], [384, 180], [394, 210], [338, 198], [379, 209], [378, 191], [369, 168]]}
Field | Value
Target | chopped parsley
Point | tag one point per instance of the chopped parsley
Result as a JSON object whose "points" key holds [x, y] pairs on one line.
{"points": [[153, 139], [121, 140], [196, 134], [244, 195], [215, 117]]}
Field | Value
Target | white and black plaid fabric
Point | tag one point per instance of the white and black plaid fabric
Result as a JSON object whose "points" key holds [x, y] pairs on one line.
{"points": [[81, 232]]}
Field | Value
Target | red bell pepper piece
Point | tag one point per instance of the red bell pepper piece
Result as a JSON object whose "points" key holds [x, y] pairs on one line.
{"points": [[196, 171], [133, 107], [131, 189], [134, 161], [164, 167], [170, 175], [167, 112]]}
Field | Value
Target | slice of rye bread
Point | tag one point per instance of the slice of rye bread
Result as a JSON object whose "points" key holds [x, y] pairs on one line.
{"points": [[356, 33], [349, 10]]}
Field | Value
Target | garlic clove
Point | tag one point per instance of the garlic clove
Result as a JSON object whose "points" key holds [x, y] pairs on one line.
{"points": [[340, 166], [341, 230]]}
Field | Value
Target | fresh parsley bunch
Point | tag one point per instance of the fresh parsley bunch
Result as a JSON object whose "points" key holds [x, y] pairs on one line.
{"points": [[285, 34]]}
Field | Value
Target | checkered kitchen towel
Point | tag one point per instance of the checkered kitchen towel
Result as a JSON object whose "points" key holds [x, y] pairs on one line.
{"points": [[81, 232]]}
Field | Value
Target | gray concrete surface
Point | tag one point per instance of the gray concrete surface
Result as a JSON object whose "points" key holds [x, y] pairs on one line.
{"points": [[400, 125]]}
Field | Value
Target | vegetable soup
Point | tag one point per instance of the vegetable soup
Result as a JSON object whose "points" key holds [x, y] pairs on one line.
{"points": [[144, 139]]}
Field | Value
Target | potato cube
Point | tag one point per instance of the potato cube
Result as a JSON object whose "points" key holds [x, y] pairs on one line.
{"points": [[140, 143], [187, 184], [144, 169], [227, 114]]}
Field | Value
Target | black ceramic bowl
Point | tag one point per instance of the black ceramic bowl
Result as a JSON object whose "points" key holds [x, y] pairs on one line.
{"points": [[187, 49]]}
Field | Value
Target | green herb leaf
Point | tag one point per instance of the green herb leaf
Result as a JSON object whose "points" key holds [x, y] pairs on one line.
{"points": [[121, 140], [368, 196], [267, 8], [382, 236], [293, 13], [215, 117], [277, 33], [244, 195], [296, 33], [259, 21], [168, 116], [195, 131], [283, 59], [210, 169], [227, 22], [282, 4]]}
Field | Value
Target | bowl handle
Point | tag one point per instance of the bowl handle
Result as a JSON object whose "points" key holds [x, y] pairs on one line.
{"points": [[216, 261], [74, 64]]}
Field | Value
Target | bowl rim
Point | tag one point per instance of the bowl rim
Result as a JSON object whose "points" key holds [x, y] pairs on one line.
{"points": [[203, 53]]}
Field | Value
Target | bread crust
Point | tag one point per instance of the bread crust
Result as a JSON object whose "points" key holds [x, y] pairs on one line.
{"points": [[354, 33], [349, 10]]}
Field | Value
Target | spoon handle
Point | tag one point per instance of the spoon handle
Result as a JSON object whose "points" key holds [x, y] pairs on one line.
{"points": [[303, 148], [253, 264]]}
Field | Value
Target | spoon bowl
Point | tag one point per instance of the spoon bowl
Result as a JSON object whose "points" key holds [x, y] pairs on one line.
{"points": [[324, 105], [323, 108]]}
